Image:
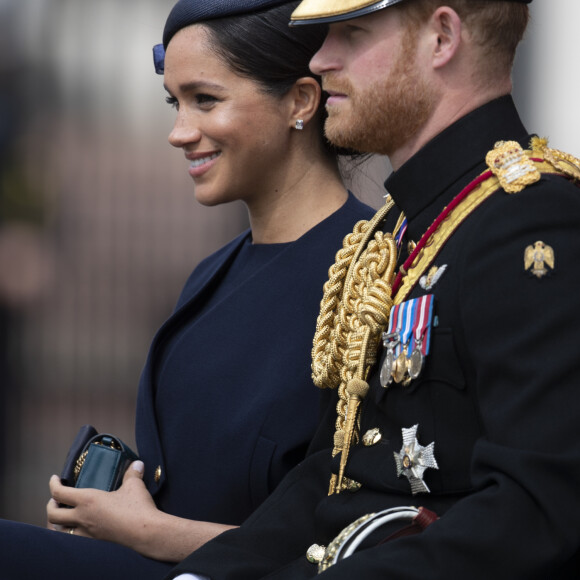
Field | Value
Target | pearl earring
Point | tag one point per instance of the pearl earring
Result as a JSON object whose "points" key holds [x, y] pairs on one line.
{"points": [[299, 124]]}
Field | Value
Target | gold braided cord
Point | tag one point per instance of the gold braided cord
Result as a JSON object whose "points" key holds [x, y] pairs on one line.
{"points": [[353, 313], [564, 162], [330, 338], [366, 304]]}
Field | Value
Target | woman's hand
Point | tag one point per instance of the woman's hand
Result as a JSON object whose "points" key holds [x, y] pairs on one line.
{"points": [[123, 516], [129, 517]]}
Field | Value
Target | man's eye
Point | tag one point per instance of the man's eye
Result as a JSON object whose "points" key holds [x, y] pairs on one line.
{"points": [[355, 29]]}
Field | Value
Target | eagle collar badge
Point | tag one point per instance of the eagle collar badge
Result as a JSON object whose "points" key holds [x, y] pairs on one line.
{"points": [[539, 259]]}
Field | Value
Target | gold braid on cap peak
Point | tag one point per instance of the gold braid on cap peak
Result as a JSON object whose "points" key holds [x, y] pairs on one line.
{"points": [[353, 313]]}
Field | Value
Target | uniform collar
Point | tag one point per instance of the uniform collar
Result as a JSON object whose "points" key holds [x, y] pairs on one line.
{"points": [[436, 173]]}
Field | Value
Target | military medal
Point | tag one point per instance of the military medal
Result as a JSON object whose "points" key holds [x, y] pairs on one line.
{"points": [[400, 367], [407, 340], [390, 341], [415, 362], [414, 459], [393, 368]]}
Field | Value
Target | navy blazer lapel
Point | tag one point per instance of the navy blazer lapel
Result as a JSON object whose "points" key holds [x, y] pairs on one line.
{"points": [[207, 271], [147, 432], [198, 283]]}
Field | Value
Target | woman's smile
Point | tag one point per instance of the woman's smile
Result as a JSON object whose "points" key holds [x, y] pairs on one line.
{"points": [[235, 135], [201, 164]]}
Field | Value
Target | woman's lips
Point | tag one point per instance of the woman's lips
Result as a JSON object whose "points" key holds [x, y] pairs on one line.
{"points": [[200, 164]]}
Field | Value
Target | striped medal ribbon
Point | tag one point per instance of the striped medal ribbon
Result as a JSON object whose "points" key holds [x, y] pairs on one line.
{"points": [[407, 340]]}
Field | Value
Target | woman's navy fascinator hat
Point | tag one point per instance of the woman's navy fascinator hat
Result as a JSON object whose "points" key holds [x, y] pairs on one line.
{"points": [[187, 12]]}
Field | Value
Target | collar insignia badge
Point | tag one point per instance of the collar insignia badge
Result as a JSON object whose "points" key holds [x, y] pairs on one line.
{"points": [[538, 258], [432, 277], [414, 459]]}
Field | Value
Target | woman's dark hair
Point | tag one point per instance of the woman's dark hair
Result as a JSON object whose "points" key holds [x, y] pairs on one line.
{"points": [[262, 47]]}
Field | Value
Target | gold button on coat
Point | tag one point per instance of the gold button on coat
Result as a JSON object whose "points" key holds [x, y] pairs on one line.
{"points": [[372, 437], [157, 476], [315, 554]]}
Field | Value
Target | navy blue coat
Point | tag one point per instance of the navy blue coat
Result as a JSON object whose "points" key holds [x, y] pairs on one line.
{"points": [[238, 436], [230, 420]]}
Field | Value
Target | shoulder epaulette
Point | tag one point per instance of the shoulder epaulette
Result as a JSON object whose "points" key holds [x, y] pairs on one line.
{"points": [[515, 168]]}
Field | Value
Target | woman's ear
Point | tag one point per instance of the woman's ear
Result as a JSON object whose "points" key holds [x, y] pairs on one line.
{"points": [[304, 98], [446, 30]]}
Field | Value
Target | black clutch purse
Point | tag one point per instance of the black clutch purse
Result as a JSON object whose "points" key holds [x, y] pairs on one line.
{"points": [[96, 460]]}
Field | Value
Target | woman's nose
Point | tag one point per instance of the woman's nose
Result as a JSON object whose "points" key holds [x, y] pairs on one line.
{"points": [[184, 132]]}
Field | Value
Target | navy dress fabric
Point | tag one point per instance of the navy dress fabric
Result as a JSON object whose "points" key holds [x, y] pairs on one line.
{"points": [[221, 400], [221, 403]]}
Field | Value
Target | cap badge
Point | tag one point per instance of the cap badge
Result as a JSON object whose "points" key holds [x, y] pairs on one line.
{"points": [[538, 258], [414, 459]]}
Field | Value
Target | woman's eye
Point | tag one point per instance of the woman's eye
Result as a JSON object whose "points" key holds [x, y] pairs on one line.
{"points": [[172, 101], [204, 99]]}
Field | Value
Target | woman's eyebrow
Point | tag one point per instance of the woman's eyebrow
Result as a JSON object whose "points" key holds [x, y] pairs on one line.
{"points": [[195, 85]]}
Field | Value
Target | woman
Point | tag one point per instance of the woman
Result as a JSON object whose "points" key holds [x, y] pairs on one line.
{"points": [[226, 405]]}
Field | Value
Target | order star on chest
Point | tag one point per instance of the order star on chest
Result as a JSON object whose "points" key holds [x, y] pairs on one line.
{"points": [[414, 459]]}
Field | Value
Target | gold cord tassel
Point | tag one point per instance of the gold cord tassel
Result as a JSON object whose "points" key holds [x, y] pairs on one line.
{"points": [[357, 390]]}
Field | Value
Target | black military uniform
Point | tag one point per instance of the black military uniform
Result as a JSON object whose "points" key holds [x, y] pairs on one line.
{"points": [[498, 396]]}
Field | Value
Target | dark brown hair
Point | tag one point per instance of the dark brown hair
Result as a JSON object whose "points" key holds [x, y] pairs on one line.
{"points": [[495, 25]]}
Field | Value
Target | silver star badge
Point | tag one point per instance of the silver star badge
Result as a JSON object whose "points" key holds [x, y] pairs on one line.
{"points": [[414, 459]]}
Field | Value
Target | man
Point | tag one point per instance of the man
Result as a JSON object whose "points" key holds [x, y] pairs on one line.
{"points": [[455, 381]]}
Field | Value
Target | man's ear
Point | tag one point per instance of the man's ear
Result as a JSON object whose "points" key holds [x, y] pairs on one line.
{"points": [[304, 98], [445, 27]]}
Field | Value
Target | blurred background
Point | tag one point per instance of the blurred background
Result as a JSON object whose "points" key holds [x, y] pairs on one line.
{"points": [[98, 224]]}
